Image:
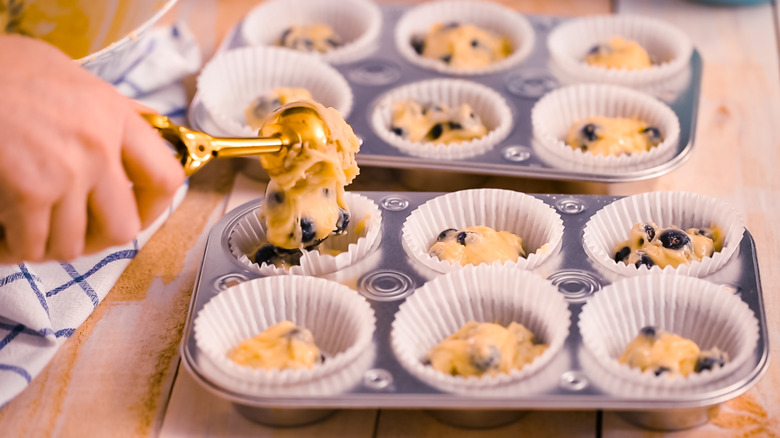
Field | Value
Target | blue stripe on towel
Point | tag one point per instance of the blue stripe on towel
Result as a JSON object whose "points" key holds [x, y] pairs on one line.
{"points": [[119, 255]]}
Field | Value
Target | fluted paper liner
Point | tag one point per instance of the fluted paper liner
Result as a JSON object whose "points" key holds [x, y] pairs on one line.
{"points": [[249, 234], [486, 103], [611, 225], [482, 293], [341, 321], [704, 312], [357, 22], [554, 114], [669, 48], [230, 82], [537, 223], [506, 22]]}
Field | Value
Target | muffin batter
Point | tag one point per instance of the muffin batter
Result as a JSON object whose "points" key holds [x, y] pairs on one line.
{"points": [[316, 37], [480, 348], [619, 53], [663, 352], [438, 123], [462, 45], [648, 245], [613, 136], [477, 244], [266, 103], [304, 201], [281, 346]]}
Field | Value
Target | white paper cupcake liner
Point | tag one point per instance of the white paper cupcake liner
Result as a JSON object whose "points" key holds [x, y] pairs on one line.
{"points": [[357, 22], [669, 48], [482, 293], [341, 321], [555, 113], [249, 233], [611, 225], [506, 22], [696, 309], [537, 223], [229, 83], [488, 104]]}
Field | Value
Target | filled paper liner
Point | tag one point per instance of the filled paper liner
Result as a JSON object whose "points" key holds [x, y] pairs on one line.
{"points": [[357, 23], [704, 312], [537, 223], [362, 236], [669, 48], [611, 225], [230, 82], [417, 22], [341, 321], [486, 103], [554, 115], [484, 293]]}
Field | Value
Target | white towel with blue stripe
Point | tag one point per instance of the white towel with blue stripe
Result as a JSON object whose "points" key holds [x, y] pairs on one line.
{"points": [[42, 304]]}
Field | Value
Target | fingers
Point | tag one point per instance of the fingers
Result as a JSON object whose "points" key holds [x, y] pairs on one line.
{"points": [[26, 231], [68, 227], [155, 172], [113, 217]]}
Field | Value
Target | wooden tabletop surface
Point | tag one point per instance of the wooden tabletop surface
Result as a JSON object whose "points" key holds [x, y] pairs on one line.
{"points": [[120, 373]]}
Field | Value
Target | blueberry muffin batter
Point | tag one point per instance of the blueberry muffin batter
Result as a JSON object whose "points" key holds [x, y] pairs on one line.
{"points": [[606, 136], [619, 52], [316, 37], [480, 348], [266, 103], [462, 45], [477, 244], [671, 354], [304, 201], [281, 346], [438, 123], [649, 245]]}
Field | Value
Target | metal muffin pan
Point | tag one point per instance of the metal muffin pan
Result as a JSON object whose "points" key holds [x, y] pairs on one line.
{"points": [[386, 276], [522, 86]]}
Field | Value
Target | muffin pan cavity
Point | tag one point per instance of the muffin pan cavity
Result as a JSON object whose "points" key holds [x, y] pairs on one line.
{"points": [[561, 298]]}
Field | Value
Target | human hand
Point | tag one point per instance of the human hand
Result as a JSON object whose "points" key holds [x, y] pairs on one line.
{"points": [[80, 170]]}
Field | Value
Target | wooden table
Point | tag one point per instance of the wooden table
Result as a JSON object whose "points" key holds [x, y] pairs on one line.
{"points": [[119, 374]]}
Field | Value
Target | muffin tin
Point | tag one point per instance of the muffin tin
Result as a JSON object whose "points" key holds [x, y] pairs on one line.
{"points": [[387, 275], [384, 69]]}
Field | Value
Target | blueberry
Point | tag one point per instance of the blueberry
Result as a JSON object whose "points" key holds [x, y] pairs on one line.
{"points": [[648, 331], [266, 254], [483, 362], [285, 34], [342, 222], [445, 234], [674, 239], [451, 25], [307, 230], [291, 257], [435, 132], [660, 370], [397, 131], [705, 232], [644, 260], [622, 254], [446, 58], [455, 125], [475, 43], [276, 198], [325, 192], [594, 50], [708, 363], [332, 42], [461, 238], [652, 133], [418, 44], [650, 232], [589, 132], [308, 44], [320, 358]]}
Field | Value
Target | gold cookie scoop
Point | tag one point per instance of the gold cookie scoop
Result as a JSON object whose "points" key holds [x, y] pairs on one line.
{"points": [[300, 122]]}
